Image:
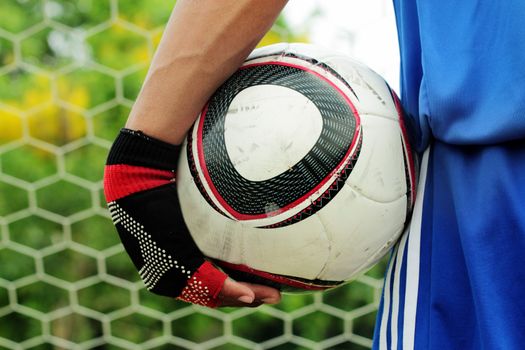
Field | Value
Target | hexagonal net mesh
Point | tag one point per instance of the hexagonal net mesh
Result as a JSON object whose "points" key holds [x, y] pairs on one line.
{"points": [[69, 72]]}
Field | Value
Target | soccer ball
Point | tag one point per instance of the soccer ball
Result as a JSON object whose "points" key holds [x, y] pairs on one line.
{"points": [[298, 172]]}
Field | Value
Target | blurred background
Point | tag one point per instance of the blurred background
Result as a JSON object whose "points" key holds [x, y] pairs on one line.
{"points": [[69, 73]]}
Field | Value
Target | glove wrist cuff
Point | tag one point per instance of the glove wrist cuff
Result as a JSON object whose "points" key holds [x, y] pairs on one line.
{"points": [[135, 148]]}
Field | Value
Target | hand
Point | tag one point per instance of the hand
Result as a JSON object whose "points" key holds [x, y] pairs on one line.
{"points": [[247, 294], [143, 201]]}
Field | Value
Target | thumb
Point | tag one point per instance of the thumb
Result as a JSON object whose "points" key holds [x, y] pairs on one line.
{"points": [[232, 290]]}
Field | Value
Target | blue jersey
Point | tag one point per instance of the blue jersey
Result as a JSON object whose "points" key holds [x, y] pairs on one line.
{"points": [[457, 277], [463, 69]]}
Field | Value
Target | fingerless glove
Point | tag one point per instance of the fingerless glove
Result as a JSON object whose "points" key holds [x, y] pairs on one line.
{"points": [[140, 188]]}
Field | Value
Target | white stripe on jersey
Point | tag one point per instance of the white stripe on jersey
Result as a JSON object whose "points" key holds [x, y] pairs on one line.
{"points": [[412, 270], [386, 304], [412, 237], [395, 295]]}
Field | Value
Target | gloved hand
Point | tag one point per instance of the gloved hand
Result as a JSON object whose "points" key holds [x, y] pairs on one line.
{"points": [[139, 185]]}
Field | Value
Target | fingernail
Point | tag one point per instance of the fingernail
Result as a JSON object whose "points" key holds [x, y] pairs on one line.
{"points": [[246, 299]]}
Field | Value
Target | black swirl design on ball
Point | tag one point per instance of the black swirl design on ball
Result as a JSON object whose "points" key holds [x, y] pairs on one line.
{"points": [[327, 195], [256, 198]]}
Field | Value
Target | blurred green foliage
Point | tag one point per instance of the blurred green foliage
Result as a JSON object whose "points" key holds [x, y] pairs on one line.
{"points": [[79, 13], [69, 72], [16, 16]]}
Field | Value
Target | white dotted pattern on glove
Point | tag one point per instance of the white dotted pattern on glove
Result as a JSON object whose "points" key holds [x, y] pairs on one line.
{"points": [[156, 260]]}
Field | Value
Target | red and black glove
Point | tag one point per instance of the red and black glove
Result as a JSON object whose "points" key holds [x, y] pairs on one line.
{"points": [[139, 185]]}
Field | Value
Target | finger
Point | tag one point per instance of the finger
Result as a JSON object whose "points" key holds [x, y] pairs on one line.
{"points": [[243, 294], [236, 292], [265, 294]]}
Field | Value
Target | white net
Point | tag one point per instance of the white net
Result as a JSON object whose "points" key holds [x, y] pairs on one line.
{"points": [[69, 72]]}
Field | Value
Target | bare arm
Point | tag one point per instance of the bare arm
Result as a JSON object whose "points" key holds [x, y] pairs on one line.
{"points": [[205, 41]]}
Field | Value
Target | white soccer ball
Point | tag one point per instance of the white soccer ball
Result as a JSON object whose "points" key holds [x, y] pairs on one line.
{"points": [[298, 173]]}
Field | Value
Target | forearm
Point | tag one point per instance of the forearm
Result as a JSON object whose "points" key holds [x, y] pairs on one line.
{"points": [[205, 41]]}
